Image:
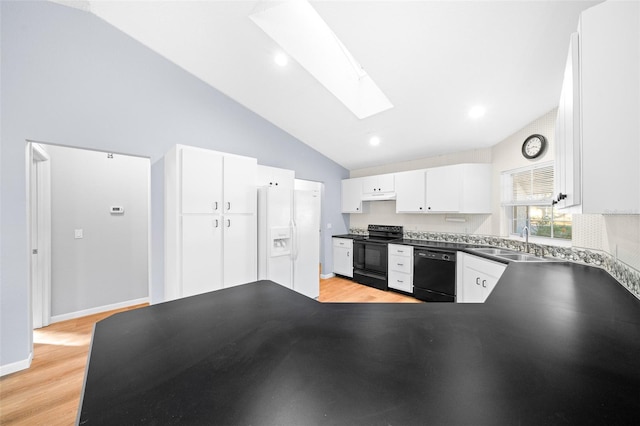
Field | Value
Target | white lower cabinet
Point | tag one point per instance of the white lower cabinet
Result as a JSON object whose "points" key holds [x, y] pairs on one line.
{"points": [[400, 267], [343, 257], [240, 249], [476, 277], [201, 254]]}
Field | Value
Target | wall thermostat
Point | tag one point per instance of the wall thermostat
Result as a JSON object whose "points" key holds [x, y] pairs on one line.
{"points": [[117, 210]]}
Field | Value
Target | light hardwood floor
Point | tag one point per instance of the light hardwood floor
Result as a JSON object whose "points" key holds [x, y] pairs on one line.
{"points": [[341, 290], [48, 393]]}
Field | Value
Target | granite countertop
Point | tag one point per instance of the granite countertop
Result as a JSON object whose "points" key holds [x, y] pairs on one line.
{"points": [[416, 243], [555, 343]]}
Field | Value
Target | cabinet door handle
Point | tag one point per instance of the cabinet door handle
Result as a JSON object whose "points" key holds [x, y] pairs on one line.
{"points": [[483, 283], [400, 251], [228, 223], [216, 223], [477, 280], [400, 264], [348, 254], [215, 206], [400, 281], [228, 205]]}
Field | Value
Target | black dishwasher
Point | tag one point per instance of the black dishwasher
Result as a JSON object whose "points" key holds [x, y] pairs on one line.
{"points": [[434, 275]]}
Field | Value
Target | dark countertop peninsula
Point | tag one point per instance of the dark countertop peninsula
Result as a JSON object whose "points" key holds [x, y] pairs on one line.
{"points": [[555, 343]]}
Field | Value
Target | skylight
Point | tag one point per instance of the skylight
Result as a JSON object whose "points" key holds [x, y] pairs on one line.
{"points": [[306, 38]]}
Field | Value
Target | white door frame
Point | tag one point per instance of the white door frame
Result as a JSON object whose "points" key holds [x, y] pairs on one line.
{"points": [[39, 199]]}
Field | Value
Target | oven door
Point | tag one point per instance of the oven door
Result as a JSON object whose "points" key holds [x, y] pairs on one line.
{"points": [[370, 256]]}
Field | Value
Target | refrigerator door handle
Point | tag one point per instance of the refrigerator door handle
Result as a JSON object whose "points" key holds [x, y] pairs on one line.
{"points": [[294, 238]]}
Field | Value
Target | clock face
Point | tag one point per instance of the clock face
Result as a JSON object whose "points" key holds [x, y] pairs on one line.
{"points": [[533, 146]]}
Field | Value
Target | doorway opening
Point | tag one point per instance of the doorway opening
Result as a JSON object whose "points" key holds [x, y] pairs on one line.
{"points": [[89, 231], [40, 235]]}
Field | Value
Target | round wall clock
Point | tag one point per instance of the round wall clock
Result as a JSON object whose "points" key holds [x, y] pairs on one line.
{"points": [[534, 146]]}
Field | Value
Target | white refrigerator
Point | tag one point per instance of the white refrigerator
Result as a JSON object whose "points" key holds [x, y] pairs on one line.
{"points": [[289, 238]]}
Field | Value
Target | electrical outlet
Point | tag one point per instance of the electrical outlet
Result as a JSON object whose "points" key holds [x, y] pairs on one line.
{"points": [[78, 234]]}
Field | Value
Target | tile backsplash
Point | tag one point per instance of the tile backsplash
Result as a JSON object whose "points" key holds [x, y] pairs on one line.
{"points": [[384, 213]]}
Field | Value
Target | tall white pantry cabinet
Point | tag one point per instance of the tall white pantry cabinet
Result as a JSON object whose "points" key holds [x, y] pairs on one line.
{"points": [[210, 221]]}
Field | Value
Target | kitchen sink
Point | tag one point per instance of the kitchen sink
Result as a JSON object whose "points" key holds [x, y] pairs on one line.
{"points": [[493, 251], [510, 255], [521, 257]]}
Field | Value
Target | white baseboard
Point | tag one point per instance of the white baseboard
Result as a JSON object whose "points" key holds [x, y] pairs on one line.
{"points": [[97, 310], [326, 276], [16, 366]]}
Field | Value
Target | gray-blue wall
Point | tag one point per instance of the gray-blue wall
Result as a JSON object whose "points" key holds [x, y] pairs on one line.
{"points": [[69, 78]]}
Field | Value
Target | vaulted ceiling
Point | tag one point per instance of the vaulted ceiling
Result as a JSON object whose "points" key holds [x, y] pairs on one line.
{"points": [[434, 60]]}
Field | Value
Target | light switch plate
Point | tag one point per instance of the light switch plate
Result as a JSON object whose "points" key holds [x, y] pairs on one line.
{"points": [[78, 234]]}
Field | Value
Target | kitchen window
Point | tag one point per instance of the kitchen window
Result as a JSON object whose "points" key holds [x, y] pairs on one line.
{"points": [[527, 195]]}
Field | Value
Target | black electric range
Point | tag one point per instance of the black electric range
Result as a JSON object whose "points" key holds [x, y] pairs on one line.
{"points": [[370, 255]]}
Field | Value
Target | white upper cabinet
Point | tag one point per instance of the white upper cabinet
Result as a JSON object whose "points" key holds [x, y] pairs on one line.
{"points": [[201, 181], [378, 184], [215, 183], [239, 184], [567, 141], [610, 66], [461, 188], [597, 130], [352, 195], [410, 191], [443, 189], [273, 176], [475, 188]]}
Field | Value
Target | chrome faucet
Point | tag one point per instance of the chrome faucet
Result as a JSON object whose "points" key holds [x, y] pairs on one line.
{"points": [[525, 235]]}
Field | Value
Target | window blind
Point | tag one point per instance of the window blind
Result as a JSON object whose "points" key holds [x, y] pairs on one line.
{"points": [[528, 186]]}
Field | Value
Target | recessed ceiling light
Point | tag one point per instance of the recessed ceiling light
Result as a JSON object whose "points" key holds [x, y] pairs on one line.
{"points": [[477, 111], [374, 141], [281, 59]]}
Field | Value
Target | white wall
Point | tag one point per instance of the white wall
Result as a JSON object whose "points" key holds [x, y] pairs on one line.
{"points": [[507, 155], [472, 156], [109, 265], [70, 78]]}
